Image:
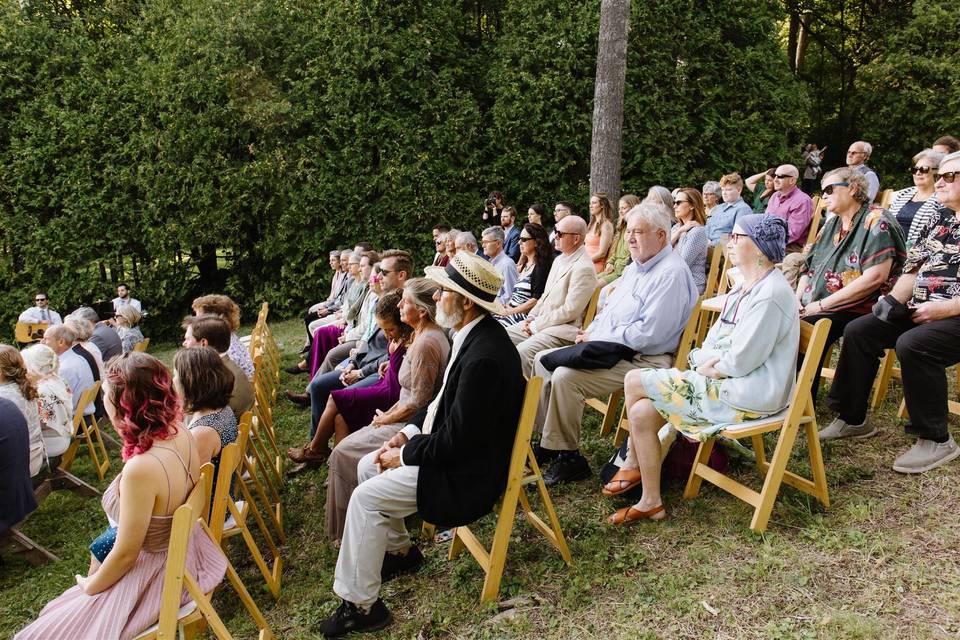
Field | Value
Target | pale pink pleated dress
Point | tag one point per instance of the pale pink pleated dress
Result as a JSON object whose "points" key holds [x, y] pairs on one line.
{"points": [[133, 603]]}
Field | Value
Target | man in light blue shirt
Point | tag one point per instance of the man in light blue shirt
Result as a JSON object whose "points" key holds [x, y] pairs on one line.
{"points": [[492, 241], [73, 368], [644, 314], [725, 215]]}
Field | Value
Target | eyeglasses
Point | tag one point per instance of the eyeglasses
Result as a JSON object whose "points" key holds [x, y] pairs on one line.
{"points": [[561, 234], [853, 152], [947, 177], [679, 202], [736, 236], [439, 242], [41, 300], [922, 170], [388, 270], [637, 232], [782, 176], [524, 239], [828, 190]]}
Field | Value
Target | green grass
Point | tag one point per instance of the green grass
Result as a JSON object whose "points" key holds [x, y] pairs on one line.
{"points": [[881, 563]]}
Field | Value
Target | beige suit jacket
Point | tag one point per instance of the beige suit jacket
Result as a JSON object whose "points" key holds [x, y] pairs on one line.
{"points": [[559, 312], [241, 400]]}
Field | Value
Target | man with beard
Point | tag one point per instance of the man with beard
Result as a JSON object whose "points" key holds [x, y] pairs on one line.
{"points": [[453, 469]]}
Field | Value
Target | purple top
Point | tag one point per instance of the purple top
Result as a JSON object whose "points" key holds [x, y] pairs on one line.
{"points": [[796, 208]]}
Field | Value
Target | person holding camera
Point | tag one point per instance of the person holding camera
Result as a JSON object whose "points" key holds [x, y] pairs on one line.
{"points": [[492, 207]]}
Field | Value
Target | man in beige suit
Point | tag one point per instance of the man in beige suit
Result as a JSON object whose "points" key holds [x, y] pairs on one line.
{"points": [[557, 316]]}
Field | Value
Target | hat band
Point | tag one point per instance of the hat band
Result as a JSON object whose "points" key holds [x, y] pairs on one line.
{"points": [[468, 286]]}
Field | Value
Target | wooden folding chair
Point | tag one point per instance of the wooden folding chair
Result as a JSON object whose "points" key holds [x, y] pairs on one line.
{"points": [[142, 346], [608, 407], [715, 259], [591, 311], [799, 414], [185, 622], [228, 518], [89, 434], [818, 209], [257, 477], [886, 198], [688, 340], [523, 471]]}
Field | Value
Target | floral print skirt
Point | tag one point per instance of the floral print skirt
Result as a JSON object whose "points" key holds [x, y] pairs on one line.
{"points": [[690, 401]]}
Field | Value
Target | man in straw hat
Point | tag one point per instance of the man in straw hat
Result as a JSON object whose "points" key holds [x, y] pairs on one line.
{"points": [[461, 453]]}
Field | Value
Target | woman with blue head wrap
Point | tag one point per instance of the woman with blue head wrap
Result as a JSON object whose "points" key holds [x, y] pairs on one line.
{"points": [[744, 371]]}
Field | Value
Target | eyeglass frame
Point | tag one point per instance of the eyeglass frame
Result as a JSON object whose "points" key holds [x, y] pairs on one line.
{"points": [[828, 190], [783, 176], [921, 170], [943, 176], [560, 234]]}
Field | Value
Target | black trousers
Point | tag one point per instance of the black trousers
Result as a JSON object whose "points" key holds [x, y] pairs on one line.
{"points": [[838, 322], [924, 351]]}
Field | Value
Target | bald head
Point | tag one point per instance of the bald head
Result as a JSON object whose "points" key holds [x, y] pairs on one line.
{"points": [[785, 179], [574, 231]]}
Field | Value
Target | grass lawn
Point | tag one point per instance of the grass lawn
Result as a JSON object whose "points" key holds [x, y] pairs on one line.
{"points": [[881, 563]]}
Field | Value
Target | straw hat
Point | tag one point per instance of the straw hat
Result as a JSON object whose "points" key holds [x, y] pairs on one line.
{"points": [[472, 277]]}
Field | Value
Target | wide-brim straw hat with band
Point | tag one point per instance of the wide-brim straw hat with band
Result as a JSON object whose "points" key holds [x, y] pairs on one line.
{"points": [[472, 277]]}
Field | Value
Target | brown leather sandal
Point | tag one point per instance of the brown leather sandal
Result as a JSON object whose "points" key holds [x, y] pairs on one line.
{"points": [[629, 515], [623, 481], [306, 454]]}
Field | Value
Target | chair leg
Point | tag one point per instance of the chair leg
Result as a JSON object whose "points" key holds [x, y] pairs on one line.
{"points": [[694, 480], [883, 379], [611, 413], [501, 540], [774, 477], [34, 553], [817, 469]]}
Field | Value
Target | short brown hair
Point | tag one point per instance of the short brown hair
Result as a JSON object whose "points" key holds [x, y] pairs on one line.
{"points": [[404, 261], [212, 328], [203, 380], [732, 180], [220, 305]]}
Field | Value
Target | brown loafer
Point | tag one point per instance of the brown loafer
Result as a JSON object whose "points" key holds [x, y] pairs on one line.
{"points": [[623, 481], [299, 399], [629, 515]]}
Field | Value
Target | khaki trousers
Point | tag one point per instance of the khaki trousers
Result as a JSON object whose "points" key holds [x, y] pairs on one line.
{"points": [[561, 403], [530, 346]]}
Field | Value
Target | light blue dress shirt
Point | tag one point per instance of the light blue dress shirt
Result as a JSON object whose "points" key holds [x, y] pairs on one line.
{"points": [[650, 305], [75, 371], [723, 218], [508, 269]]}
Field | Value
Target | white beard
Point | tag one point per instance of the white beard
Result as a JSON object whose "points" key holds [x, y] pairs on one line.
{"points": [[449, 320]]}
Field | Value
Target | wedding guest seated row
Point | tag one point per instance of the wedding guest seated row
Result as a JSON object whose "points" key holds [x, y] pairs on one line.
{"points": [[558, 314], [451, 470], [213, 331], [725, 215], [327, 332], [619, 255], [221, 305], [55, 399], [689, 235], [744, 370], [17, 386], [914, 207], [536, 258], [120, 595], [855, 259], [336, 287], [639, 326], [920, 318], [492, 242], [73, 368], [599, 236], [128, 329], [17, 499]]}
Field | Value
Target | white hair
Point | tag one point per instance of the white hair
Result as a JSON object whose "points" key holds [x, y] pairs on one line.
{"points": [[494, 233], [950, 157], [654, 215]]}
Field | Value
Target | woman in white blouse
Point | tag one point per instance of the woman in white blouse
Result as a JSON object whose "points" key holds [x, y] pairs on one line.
{"points": [[17, 387], [55, 398]]}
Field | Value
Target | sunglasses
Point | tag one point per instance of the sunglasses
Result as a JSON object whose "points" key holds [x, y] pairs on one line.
{"points": [[781, 176], [524, 239], [922, 170], [41, 300], [561, 234], [679, 202], [947, 177], [828, 190]]}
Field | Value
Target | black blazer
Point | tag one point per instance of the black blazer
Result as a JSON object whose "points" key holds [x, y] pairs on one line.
{"points": [[464, 461]]}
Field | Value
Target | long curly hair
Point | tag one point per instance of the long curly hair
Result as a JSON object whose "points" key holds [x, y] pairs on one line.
{"points": [[147, 409], [220, 305], [13, 369]]}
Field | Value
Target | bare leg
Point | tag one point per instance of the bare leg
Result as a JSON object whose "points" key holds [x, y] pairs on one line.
{"points": [[325, 428], [633, 392], [645, 422], [94, 565], [340, 428]]}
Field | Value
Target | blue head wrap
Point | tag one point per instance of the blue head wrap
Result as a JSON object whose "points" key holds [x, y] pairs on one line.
{"points": [[768, 232]]}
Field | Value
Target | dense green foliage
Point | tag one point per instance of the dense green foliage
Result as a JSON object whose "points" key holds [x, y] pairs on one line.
{"points": [[192, 146]]}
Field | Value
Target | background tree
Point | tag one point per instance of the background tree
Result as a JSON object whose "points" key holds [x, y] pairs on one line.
{"points": [[607, 140]]}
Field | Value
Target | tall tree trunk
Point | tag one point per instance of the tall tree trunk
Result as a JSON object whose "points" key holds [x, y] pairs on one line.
{"points": [[607, 142], [792, 36], [802, 39]]}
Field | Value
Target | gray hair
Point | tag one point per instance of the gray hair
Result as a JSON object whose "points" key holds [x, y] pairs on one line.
{"points": [[82, 327], [356, 255], [335, 254], [41, 360], [345, 252], [493, 233], [62, 332], [660, 195], [867, 147], [854, 179], [712, 186], [935, 157], [654, 215], [950, 157], [467, 239], [421, 291], [87, 314]]}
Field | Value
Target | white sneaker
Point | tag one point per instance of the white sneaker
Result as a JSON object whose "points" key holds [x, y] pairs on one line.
{"points": [[926, 455], [840, 429]]}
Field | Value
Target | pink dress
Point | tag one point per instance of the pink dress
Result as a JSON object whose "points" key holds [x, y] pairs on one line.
{"points": [[592, 243], [133, 603]]}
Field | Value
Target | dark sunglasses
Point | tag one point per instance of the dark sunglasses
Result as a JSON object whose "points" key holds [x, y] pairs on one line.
{"points": [[676, 202], [923, 170], [41, 299], [560, 234], [781, 176], [524, 239], [947, 177], [827, 190]]}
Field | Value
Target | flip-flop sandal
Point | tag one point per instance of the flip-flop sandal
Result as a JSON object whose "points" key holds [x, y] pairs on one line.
{"points": [[624, 480], [629, 515]]}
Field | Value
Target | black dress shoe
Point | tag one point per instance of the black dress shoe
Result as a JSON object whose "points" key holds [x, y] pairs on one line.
{"points": [[544, 455], [299, 399], [349, 618], [569, 466], [295, 370], [396, 564]]}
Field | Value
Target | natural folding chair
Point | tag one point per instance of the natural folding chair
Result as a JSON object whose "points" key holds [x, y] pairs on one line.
{"points": [[88, 434], [186, 621], [523, 471], [257, 478], [799, 414], [228, 518], [142, 346]]}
